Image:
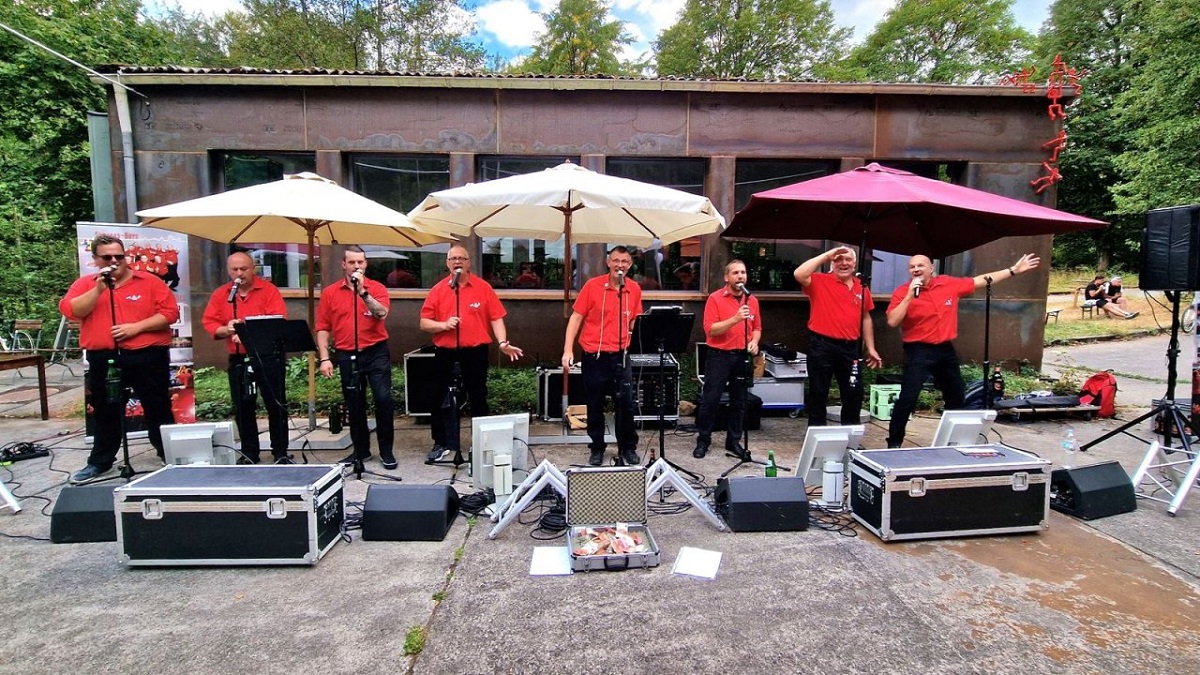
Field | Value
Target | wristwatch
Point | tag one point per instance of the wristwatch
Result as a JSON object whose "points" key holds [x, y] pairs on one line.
{"points": [[504, 343]]}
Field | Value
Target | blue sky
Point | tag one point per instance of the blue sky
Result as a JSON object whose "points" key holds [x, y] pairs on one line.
{"points": [[507, 27]]}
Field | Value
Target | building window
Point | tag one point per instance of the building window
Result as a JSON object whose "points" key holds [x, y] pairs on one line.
{"points": [[677, 266], [509, 262], [769, 266], [284, 265], [400, 182]]}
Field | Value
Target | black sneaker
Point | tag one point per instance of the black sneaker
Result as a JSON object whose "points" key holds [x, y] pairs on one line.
{"points": [[437, 454], [350, 458], [244, 459], [92, 474], [286, 459], [1132, 315], [700, 451], [597, 458], [629, 456], [388, 461], [736, 450]]}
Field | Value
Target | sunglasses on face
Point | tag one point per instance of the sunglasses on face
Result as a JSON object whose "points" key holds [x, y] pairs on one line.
{"points": [[112, 258]]}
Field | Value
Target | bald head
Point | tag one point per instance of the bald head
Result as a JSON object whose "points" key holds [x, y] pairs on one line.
{"points": [[920, 267], [240, 266]]}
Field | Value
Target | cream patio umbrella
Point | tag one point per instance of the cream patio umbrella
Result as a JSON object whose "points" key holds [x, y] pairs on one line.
{"points": [[301, 208], [569, 201]]}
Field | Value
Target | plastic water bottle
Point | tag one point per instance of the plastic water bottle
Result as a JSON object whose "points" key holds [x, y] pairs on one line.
{"points": [[1068, 448], [772, 471], [249, 386], [112, 382]]}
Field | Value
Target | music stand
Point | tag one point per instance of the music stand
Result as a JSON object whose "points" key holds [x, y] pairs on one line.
{"points": [[270, 339], [668, 330]]}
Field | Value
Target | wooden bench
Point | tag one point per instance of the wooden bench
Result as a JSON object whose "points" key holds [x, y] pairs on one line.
{"points": [[1052, 313]]}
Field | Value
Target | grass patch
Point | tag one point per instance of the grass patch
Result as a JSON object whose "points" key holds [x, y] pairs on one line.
{"points": [[414, 641]]}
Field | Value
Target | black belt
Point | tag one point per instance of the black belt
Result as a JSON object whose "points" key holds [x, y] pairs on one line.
{"points": [[728, 351], [837, 341]]}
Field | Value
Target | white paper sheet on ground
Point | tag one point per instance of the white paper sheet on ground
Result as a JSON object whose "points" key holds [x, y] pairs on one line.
{"points": [[550, 561], [697, 562]]}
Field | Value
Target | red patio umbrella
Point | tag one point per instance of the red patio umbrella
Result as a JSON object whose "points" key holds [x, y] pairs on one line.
{"points": [[892, 210]]}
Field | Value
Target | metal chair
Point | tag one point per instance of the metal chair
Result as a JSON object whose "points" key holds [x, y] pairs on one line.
{"points": [[66, 351]]}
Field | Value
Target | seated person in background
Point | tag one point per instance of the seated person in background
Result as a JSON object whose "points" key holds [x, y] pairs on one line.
{"points": [[401, 278], [1115, 295], [528, 278], [1095, 292], [686, 274]]}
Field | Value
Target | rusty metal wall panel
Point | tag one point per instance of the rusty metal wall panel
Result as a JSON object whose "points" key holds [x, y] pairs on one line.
{"points": [[402, 120], [191, 119], [575, 123], [960, 128], [168, 177], [781, 125]]}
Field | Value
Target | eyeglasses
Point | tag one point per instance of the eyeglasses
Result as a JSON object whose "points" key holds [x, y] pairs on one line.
{"points": [[458, 258], [112, 258]]}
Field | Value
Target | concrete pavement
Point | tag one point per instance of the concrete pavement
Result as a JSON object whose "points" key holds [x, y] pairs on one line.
{"points": [[1116, 595]]}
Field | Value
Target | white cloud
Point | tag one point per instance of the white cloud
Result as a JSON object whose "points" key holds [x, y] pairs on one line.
{"points": [[207, 7], [511, 22], [659, 14]]}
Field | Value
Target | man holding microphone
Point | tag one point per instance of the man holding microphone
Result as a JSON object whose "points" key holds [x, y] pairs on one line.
{"points": [[732, 328], [246, 295], [353, 311], [926, 310]]}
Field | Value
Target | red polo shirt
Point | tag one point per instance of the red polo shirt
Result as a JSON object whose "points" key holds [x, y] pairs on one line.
{"points": [[602, 330], [261, 299], [140, 297], [720, 306], [836, 310], [479, 306], [932, 317], [338, 302]]}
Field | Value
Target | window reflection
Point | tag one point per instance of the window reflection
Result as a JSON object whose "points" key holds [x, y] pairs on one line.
{"points": [[509, 262]]}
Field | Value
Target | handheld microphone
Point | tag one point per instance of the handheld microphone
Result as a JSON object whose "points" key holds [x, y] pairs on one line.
{"points": [[233, 290], [454, 279], [354, 278], [620, 279], [742, 289], [917, 290], [107, 273]]}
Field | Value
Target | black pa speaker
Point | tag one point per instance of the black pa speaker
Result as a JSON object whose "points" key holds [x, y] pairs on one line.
{"points": [[408, 512], [1093, 491], [759, 504], [1171, 250], [83, 513]]}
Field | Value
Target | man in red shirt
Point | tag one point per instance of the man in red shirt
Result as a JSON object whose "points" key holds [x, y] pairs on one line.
{"points": [[926, 310], [226, 309], [137, 341], [353, 312], [837, 318], [459, 311], [602, 320], [733, 328]]}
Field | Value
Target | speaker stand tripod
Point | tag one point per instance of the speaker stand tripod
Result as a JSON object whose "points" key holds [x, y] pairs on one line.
{"points": [[1172, 423]]}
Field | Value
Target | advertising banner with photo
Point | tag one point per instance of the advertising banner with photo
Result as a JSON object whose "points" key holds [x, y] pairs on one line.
{"points": [[165, 255]]}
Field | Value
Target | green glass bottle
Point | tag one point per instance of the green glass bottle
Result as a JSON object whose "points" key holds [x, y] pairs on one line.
{"points": [[772, 470]]}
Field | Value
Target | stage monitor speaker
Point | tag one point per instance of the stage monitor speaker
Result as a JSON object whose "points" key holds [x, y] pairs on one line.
{"points": [[1094, 491], [759, 504], [1171, 250], [408, 512], [83, 513]]}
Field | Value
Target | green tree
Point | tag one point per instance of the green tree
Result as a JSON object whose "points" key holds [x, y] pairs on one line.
{"points": [[755, 39], [406, 35], [943, 41], [579, 39], [1159, 110], [45, 182], [1093, 37]]}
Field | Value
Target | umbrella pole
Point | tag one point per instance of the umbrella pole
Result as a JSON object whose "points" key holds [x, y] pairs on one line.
{"points": [[987, 343], [566, 310], [312, 358]]}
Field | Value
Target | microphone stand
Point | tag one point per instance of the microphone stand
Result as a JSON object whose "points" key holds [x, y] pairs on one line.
{"points": [[624, 388], [355, 387], [127, 471], [742, 381]]}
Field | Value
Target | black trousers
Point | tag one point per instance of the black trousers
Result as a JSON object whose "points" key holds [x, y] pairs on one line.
{"points": [[723, 369], [147, 372], [828, 359], [473, 364], [920, 361], [607, 374], [268, 377], [372, 368]]}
